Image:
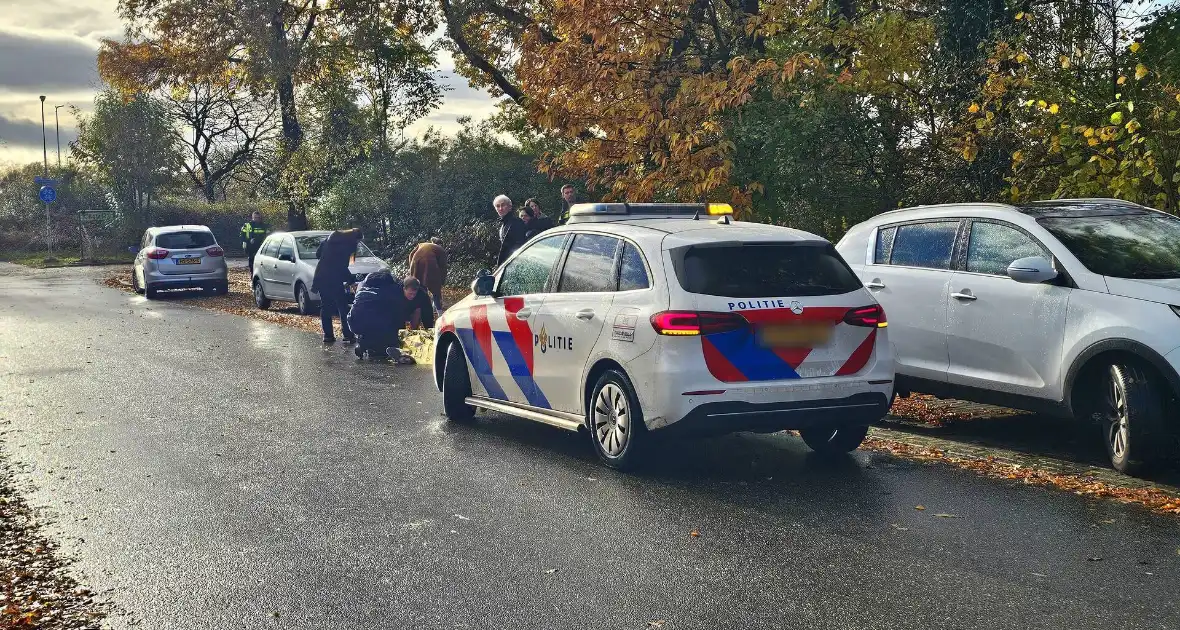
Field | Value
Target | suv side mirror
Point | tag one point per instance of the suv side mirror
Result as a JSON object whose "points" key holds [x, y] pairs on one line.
{"points": [[1032, 270], [485, 284]]}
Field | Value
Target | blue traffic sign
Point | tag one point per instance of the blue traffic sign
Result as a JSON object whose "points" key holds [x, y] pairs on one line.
{"points": [[48, 194], [44, 181]]}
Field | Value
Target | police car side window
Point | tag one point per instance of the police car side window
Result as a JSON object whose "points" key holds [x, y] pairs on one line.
{"points": [[633, 274], [529, 270], [590, 267]]}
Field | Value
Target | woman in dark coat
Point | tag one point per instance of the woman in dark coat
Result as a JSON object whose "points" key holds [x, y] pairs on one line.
{"points": [[331, 274], [535, 221]]}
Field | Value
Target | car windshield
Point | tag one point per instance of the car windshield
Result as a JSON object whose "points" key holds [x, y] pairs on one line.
{"points": [[770, 270], [1137, 246], [309, 244], [185, 240]]}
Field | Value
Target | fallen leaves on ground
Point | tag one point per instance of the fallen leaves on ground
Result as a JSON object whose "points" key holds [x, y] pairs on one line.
{"points": [[1152, 498], [934, 412], [35, 589]]}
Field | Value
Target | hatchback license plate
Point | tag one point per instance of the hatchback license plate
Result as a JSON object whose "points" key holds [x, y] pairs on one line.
{"points": [[796, 336], [188, 261]]}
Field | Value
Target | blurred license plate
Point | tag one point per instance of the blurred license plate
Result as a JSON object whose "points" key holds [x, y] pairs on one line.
{"points": [[796, 336], [188, 261]]}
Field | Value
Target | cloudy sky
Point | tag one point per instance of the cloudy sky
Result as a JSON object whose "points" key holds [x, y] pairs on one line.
{"points": [[49, 47]]}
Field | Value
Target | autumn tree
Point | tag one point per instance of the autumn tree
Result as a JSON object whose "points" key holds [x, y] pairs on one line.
{"points": [[131, 146], [277, 44]]}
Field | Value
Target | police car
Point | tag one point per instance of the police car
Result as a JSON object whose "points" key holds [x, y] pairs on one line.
{"points": [[641, 319]]}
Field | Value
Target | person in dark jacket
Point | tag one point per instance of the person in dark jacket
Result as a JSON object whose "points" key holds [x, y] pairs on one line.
{"points": [[535, 221], [416, 309], [376, 314], [253, 233], [331, 274], [382, 307], [567, 201], [512, 229]]}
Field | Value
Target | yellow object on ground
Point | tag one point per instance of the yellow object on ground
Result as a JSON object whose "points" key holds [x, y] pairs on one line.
{"points": [[418, 344]]}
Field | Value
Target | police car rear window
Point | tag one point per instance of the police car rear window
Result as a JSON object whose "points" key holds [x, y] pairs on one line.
{"points": [[185, 240], [770, 270]]}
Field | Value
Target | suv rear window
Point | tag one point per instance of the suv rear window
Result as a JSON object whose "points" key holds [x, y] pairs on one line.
{"points": [[185, 240], [770, 270]]}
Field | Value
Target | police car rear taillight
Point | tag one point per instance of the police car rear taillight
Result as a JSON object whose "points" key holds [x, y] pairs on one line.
{"points": [[214, 251], [866, 316], [157, 254], [690, 323]]}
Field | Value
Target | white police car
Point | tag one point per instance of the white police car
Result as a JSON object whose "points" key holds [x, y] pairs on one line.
{"points": [[635, 319]]}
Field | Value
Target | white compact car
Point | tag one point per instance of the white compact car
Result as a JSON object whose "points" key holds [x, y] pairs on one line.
{"points": [[286, 263], [1065, 307], [638, 318]]}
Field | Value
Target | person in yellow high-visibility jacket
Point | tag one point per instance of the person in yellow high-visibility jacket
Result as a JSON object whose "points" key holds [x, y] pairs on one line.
{"points": [[253, 233]]}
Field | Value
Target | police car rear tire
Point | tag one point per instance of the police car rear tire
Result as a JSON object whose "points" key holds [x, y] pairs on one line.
{"points": [[834, 440], [615, 422], [456, 386]]}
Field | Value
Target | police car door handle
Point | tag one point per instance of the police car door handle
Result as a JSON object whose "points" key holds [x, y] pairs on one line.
{"points": [[524, 313], [875, 284], [585, 314]]}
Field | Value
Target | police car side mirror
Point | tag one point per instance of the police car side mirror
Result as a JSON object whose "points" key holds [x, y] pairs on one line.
{"points": [[484, 285]]}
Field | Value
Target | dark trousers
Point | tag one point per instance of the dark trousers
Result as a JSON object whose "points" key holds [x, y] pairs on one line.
{"points": [[376, 345], [436, 298], [250, 254], [334, 301]]}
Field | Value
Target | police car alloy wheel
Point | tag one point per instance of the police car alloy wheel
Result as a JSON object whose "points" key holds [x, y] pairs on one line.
{"points": [[456, 385], [616, 422]]}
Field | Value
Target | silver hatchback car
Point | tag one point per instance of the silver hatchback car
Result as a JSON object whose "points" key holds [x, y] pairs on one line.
{"points": [[179, 257], [284, 266]]}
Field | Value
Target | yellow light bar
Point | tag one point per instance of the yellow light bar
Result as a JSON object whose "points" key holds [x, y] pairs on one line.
{"points": [[716, 209]]}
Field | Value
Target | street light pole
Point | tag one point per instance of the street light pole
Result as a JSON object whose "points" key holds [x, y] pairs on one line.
{"points": [[45, 159], [57, 130], [44, 141]]}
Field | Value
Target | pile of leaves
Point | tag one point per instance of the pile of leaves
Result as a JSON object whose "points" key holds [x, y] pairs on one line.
{"points": [[1154, 499], [35, 589], [933, 412]]}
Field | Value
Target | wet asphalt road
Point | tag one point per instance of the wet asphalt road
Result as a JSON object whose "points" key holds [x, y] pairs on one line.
{"points": [[209, 471]]}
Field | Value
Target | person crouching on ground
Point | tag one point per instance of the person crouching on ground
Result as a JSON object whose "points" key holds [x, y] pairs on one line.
{"points": [[375, 315], [418, 311], [382, 307], [331, 274]]}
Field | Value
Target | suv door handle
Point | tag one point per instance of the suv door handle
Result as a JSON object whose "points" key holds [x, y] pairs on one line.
{"points": [[964, 295], [585, 314], [524, 313], [875, 284]]}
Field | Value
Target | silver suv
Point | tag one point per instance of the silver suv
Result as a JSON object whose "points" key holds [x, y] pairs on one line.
{"points": [[179, 257], [1064, 307]]}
